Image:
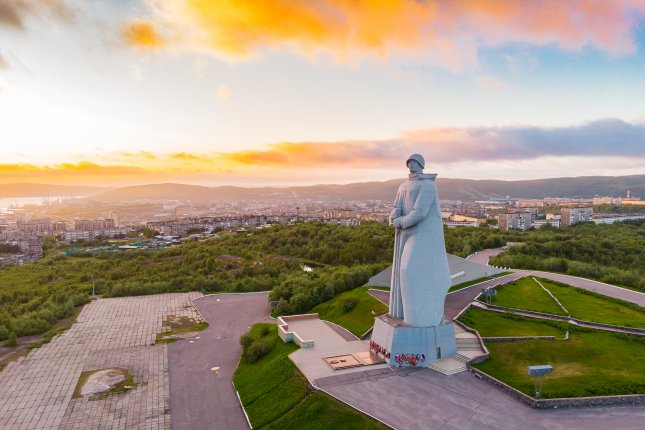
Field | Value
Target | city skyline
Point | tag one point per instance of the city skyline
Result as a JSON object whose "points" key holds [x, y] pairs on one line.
{"points": [[329, 91]]}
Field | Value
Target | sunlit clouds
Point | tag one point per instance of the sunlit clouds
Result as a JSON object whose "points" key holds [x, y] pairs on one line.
{"points": [[482, 149], [142, 34], [258, 92], [443, 32]]}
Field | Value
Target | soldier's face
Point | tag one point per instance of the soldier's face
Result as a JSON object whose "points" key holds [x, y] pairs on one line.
{"points": [[414, 166]]}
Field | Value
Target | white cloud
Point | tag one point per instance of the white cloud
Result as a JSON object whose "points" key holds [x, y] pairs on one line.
{"points": [[223, 92], [490, 84]]}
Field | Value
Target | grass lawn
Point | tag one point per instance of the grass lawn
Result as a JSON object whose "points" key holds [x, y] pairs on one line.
{"points": [[590, 363], [357, 320], [321, 412], [525, 293], [590, 306], [476, 281], [495, 324], [276, 395]]}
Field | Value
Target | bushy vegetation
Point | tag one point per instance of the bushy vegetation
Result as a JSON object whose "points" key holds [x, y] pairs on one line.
{"points": [[36, 295], [257, 343], [276, 395], [300, 292], [609, 253]]}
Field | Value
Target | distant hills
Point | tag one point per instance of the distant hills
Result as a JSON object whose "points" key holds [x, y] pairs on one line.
{"points": [[452, 189], [44, 190]]}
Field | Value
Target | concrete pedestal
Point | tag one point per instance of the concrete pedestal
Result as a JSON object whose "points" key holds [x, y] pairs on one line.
{"points": [[426, 344]]}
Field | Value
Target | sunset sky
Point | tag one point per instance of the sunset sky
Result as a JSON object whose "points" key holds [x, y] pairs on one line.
{"points": [[280, 92]]}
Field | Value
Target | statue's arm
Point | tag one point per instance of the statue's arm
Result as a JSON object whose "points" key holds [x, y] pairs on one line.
{"points": [[396, 212], [421, 207]]}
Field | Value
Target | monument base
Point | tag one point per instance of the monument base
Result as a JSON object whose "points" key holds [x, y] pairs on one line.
{"points": [[404, 345]]}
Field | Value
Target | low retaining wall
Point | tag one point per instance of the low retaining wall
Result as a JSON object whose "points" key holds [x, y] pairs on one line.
{"points": [[290, 336], [521, 312], [608, 327], [287, 318], [516, 338], [582, 323], [486, 354], [566, 402]]}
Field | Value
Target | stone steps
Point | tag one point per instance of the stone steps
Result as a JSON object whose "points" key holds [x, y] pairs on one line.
{"points": [[448, 366], [462, 358], [469, 344]]}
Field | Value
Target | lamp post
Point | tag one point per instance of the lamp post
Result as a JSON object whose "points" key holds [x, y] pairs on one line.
{"points": [[93, 287]]}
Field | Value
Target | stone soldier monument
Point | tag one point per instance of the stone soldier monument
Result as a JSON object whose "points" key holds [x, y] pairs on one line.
{"points": [[415, 332]]}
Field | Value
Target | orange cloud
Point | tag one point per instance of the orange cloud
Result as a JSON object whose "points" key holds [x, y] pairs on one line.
{"points": [[142, 34], [447, 32], [188, 156], [140, 154], [67, 172]]}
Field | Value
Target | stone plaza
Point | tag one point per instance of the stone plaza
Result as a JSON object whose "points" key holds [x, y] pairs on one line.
{"points": [[36, 391]]}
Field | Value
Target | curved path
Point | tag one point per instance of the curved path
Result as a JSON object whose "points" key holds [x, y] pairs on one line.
{"points": [[482, 257], [201, 398], [457, 300], [588, 284]]}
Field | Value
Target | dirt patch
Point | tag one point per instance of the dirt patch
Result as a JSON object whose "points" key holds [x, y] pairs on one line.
{"points": [[104, 382], [179, 328]]}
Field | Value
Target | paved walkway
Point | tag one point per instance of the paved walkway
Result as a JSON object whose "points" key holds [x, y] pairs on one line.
{"points": [[422, 399], [327, 342], [201, 398], [36, 391]]}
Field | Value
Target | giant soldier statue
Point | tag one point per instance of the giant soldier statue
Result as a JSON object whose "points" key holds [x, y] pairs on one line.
{"points": [[420, 274], [414, 332]]}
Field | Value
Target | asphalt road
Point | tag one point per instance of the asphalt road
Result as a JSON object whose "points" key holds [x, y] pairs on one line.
{"points": [[200, 398], [483, 256], [458, 300]]}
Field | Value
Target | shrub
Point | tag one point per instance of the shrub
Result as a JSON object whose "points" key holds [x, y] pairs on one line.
{"points": [[348, 304], [258, 349], [27, 325], [12, 340], [4, 332], [246, 340]]}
